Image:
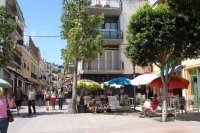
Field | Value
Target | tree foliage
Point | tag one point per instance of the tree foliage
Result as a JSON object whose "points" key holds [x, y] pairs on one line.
{"points": [[79, 28], [84, 41], [7, 26], [164, 35]]}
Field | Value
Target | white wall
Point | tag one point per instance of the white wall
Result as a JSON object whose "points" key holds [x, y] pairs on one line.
{"points": [[129, 7]]}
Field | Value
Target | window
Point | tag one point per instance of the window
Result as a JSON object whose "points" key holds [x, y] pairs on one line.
{"points": [[24, 65]]}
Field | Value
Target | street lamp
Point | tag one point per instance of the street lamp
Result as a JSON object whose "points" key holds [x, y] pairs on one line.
{"points": [[134, 89]]}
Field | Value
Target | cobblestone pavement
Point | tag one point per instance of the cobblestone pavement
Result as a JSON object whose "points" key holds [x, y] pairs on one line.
{"points": [[58, 121]]}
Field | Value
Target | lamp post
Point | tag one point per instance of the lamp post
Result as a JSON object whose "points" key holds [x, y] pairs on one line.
{"points": [[134, 88]]}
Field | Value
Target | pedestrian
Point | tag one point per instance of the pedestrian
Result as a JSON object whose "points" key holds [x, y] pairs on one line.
{"points": [[4, 101], [60, 97], [18, 97], [31, 99], [47, 96], [43, 90], [53, 98]]}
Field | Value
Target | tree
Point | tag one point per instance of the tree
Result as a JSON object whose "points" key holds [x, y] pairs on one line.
{"points": [[7, 26], [164, 35], [84, 41]]}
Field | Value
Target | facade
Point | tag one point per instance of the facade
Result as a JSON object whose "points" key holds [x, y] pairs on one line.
{"points": [[113, 63], [11, 74], [191, 72]]}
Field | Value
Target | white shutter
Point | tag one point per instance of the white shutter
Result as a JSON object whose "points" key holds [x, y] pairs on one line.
{"points": [[115, 57], [102, 61], [108, 60]]}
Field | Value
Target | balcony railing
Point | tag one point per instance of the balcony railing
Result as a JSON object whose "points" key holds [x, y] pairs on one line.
{"points": [[19, 30], [33, 76], [112, 34], [17, 59], [54, 79], [104, 66], [106, 3]]}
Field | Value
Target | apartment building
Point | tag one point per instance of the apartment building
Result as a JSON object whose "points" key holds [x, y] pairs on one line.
{"points": [[113, 63], [13, 11]]}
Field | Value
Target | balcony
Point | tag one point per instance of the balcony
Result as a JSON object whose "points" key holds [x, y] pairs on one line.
{"points": [[33, 75], [54, 79], [17, 34], [112, 37], [16, 62], [100, 67], [108, 7]]}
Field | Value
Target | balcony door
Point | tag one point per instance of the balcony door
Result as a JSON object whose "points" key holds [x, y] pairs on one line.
{"points": [[109, 60]]}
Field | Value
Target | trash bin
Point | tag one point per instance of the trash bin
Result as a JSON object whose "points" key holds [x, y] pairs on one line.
{"points": [[82, 108]]}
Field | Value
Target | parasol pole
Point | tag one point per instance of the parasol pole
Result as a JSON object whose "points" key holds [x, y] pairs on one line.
{"points": [[134, 89]]}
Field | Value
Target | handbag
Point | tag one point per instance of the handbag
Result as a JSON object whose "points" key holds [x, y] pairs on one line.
{"points": [[9, 114]]}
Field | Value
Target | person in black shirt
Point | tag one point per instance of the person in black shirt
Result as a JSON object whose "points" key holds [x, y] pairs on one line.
{"points": [[93, 105], [105, 104]]}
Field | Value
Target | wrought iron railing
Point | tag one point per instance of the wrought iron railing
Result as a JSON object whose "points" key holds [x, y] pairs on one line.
{"points": [[17, 59], [33, 75]]}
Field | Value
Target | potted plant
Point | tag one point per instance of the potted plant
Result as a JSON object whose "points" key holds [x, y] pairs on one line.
{"points": [[85, 85], [98, 5]]}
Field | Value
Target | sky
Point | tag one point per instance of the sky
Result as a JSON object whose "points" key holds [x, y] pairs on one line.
{"points": [[42, 18]]}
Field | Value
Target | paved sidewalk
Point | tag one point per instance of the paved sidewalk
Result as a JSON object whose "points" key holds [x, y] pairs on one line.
{"points": [[58, 121]]}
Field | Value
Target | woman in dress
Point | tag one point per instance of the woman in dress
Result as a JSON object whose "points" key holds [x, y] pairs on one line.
{"points": [[18, 97], [53, 98], [47, 96], [3, 112]]}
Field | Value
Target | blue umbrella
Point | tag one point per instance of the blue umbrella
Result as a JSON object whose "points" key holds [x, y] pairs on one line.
{"points": [[120, 81]]}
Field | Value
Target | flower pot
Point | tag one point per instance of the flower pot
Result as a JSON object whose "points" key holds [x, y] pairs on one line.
{"points": [[98, 5], [82, 108]]}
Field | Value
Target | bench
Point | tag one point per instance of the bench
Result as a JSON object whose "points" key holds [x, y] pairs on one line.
{"points": [[114, 106]]}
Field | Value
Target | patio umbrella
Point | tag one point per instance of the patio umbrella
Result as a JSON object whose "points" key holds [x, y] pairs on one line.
{"points": [[4, 84], [143, 79], [87, 84], [119, 81], [175, 82]]}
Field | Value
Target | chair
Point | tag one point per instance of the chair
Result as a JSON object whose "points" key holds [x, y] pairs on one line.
{"points": [[182, 105]]}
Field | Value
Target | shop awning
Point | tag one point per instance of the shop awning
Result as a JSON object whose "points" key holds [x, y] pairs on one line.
{"points": [[17, 75], [158, 73], [34, 82], [66, 82]]}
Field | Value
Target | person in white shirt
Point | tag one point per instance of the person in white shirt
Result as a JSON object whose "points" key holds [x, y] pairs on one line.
{"points": [[53, 98], [60, 97], [31, 99]]}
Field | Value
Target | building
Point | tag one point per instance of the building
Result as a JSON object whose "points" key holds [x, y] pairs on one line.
{"points": [[113, 63], [11, 74]]}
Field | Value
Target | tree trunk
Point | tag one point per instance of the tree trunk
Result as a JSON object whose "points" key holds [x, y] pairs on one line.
{"points": [[81, 97], [72, 104], [164, 105]]}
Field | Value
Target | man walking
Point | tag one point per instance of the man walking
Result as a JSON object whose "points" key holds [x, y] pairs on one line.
{"points": [[31, 99]]}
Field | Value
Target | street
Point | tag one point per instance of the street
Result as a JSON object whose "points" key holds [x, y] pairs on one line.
{"points": [[58, 121]]}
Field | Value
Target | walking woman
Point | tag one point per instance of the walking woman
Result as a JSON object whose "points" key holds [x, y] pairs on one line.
{"points": [[47, 96], [18, 97], [60, 97], [53, 98], [3, 112]]}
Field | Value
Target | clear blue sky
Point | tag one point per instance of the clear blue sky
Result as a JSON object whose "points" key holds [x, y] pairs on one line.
{"points": [[42, 18]]}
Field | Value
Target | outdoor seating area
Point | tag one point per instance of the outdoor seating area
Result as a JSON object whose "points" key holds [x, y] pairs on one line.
{"points": [[114, 103]]}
